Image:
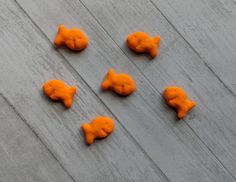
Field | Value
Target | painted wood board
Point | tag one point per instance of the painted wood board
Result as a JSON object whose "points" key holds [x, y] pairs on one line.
{"points": [[209, 27], [27, 61], [85, 65], [178, 64], [23, 156]]}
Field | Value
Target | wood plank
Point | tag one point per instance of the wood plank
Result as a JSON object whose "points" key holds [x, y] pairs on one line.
{"points": [[209, 26], [174, 147], [214, 118], [22, 155], [178, 64], [27, 61]]}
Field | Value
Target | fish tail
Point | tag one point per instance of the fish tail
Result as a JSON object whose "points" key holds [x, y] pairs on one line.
{"points": [[73, 90], [58, 39], [89, 137], [153, 52], [191, 104], [106, 84], [69, 97], [61, 29], [68, 102], [111, 72], [182, 113], [157, 39]]}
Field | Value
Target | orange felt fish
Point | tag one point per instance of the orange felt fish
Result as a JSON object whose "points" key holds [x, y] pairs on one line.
{"points": [[100, 127], [73, 38], [122, 84], [142, 42], [177, 98], [58, 90]]}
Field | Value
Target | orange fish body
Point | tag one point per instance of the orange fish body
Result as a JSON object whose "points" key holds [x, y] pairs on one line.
{"points": [[122, 84], [100, 127], [58, 90], [73, 38], [141, 42], [177, 98]]}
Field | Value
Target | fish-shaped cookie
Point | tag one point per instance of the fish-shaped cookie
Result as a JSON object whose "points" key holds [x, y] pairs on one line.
{"points": [[73, 38], [123, 84], [142, 42], [100, 127], [178, 99], [58, 90]]}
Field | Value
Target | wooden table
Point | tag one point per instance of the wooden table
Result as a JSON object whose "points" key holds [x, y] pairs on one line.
{"points": [[40, 141]]}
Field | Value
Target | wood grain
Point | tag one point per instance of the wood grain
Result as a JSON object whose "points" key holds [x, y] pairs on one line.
{"points": [[176, 148], [22, 155], [27, 61], [209, 27], [179, 64]]}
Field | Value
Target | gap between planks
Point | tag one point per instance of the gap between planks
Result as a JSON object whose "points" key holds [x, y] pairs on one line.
{"points": [[70, 67], [36, 135], [194, 50], [75, 73], [157, 91]]}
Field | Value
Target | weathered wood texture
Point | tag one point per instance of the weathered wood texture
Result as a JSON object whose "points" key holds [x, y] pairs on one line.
{"points": [[148, 144], [180, 64], [209, 26], [22, 155], [28, 60], [184, 151]]}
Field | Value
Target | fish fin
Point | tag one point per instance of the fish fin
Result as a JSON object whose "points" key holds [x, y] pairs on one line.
{"points": [[157, 39], [172, 102], [139, 48], [106, 84], [154, 52], [89, 137], [70, 43], [102, 134], [54, 97]]}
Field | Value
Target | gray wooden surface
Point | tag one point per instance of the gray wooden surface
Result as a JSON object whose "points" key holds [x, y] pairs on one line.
{"points": [[41, 141]]}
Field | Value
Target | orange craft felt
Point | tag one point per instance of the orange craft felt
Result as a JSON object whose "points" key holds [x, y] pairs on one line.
{"points": [[100, 127], [177, 98], [123, 84], [142, 42], [73, 38], [58, 90]]}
